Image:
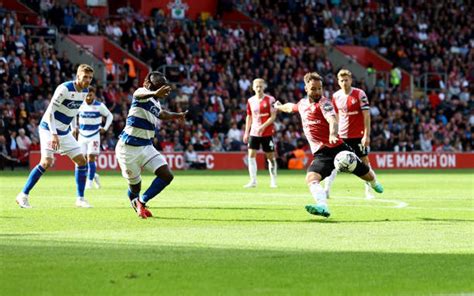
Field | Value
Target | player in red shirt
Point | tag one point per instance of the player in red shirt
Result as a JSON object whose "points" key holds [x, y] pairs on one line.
{"points": [[259, 132], [353, 109], [321, 130]]}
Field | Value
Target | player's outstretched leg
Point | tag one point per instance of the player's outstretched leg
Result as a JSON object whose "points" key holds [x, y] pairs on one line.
{"points": [[163, 178], [367, 174], [321, 207]]}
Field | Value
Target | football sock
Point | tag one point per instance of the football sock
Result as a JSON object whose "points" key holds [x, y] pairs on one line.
{"points": [[329, 180], [318, 193], [33, 178], [253, 168], [81, 175], [272, 168], [92, 169], [132, 195], [156, 187], [374, 181]]}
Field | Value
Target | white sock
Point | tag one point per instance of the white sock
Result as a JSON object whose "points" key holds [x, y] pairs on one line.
{"points": [[252, 163], [272, 168], [318, 193], [329, 180]]}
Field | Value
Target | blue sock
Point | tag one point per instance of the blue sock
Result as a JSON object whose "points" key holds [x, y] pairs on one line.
{"points": [[92, 168], [132, 195], [156, 186], [33, 178], [81, 175]]}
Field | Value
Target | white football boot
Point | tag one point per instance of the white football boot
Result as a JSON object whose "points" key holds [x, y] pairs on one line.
{"points": [[22, 200]]}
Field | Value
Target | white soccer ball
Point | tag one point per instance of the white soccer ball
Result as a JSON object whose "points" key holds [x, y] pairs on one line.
{"points": [[345, 161]]}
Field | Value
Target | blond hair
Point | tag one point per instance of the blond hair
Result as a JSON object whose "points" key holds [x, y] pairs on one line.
{"points": [[344, 72], [256, 80], [85, 68], [312, 76]]}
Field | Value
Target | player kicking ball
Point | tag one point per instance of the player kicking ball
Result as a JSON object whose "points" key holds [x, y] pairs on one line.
{"points": [[134, 149], [353, 110], [321, 130], [56, 136], [90, 129]]}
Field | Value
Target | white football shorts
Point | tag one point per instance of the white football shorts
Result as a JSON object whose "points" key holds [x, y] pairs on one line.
{"points": [[132, 159], [90, 145], [67, 145]]}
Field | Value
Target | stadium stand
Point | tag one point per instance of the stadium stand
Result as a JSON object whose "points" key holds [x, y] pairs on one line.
{"points": [[212, 66]]}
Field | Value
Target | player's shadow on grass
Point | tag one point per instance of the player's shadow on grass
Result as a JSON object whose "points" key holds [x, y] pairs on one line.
{"points": [[444, 220], [314, 219]]}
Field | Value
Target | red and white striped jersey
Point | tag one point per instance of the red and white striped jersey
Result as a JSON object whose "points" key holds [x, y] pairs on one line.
{"points": [[260, 111], [314, 117], [349, 108]]}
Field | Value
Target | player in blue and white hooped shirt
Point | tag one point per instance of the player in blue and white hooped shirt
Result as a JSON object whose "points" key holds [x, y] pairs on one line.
{"points": [[90, 128], [134, 149], [56, 136]]}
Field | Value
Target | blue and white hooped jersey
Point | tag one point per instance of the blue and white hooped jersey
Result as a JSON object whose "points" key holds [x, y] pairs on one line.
{"points": [[141, 121], [66, 101], [90, 118]]}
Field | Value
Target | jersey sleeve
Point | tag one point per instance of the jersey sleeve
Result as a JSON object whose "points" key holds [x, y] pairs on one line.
{"points": [[60, 94], [272, 103], [327, 108], [140, 91], [295, 107], [249, 110], [333, 100], [364, 101]]}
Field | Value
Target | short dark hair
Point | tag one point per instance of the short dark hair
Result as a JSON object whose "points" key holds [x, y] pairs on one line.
{"points": [[155, 75]]}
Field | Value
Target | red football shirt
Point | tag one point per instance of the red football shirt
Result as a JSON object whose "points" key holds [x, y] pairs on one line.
{"points": [[314, 117], [260, 111], [349, 108]]}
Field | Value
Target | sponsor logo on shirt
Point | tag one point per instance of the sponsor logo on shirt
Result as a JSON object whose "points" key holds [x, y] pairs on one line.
{"points": [[74, 104], [155, 111]]}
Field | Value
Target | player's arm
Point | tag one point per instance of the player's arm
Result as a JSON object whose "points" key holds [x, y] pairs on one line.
{"points": [[143, 93], [75, 127], [287, 108], [248, 124], [333, 128], [365, 108], [108, 117], [168, 115]]}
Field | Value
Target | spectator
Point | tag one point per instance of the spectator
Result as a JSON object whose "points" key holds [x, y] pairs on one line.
{"points": [[191, 159]]}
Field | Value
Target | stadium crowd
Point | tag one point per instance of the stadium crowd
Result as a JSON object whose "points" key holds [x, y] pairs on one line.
{"points": [[213, 66]]}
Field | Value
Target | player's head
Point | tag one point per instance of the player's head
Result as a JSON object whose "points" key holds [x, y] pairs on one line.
{"points": [[154, 80], [259, 86], [313, 85], [90, 95], [344, 79], [84, 75]]}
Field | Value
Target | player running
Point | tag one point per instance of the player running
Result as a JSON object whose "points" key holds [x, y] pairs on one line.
{"points": [[353, 110], [90, 128], [320, 128], [259, 125], [56, 136], [134, 149]]}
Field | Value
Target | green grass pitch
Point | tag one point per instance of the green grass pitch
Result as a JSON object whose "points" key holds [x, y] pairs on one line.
{"points": [[210, 236]]}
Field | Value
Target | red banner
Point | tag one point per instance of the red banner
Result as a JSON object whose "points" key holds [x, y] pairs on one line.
{"points": [[238, 160]]}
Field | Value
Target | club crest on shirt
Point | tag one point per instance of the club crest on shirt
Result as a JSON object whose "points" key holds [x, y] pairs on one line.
{"points": [[353, 101]]}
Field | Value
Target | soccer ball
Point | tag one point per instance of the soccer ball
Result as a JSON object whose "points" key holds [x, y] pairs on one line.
{"points": [[345, 161]]}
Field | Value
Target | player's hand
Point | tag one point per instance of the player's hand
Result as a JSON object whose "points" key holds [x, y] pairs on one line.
{"points": [[365, 141], [55, 142], [277, 105], [181, 115], [245, 138], [260, 130], [333, 139], [163, 91], [102, 130]]}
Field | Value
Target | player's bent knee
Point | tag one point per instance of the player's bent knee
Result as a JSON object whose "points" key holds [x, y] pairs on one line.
{"points": [[91, 158], [135, 181], [312, 177], [46, 162]]}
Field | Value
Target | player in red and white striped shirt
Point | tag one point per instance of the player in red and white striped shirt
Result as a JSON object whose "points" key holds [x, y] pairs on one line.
{"points": [[353, 110], [321, 130], [259, 132]]}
